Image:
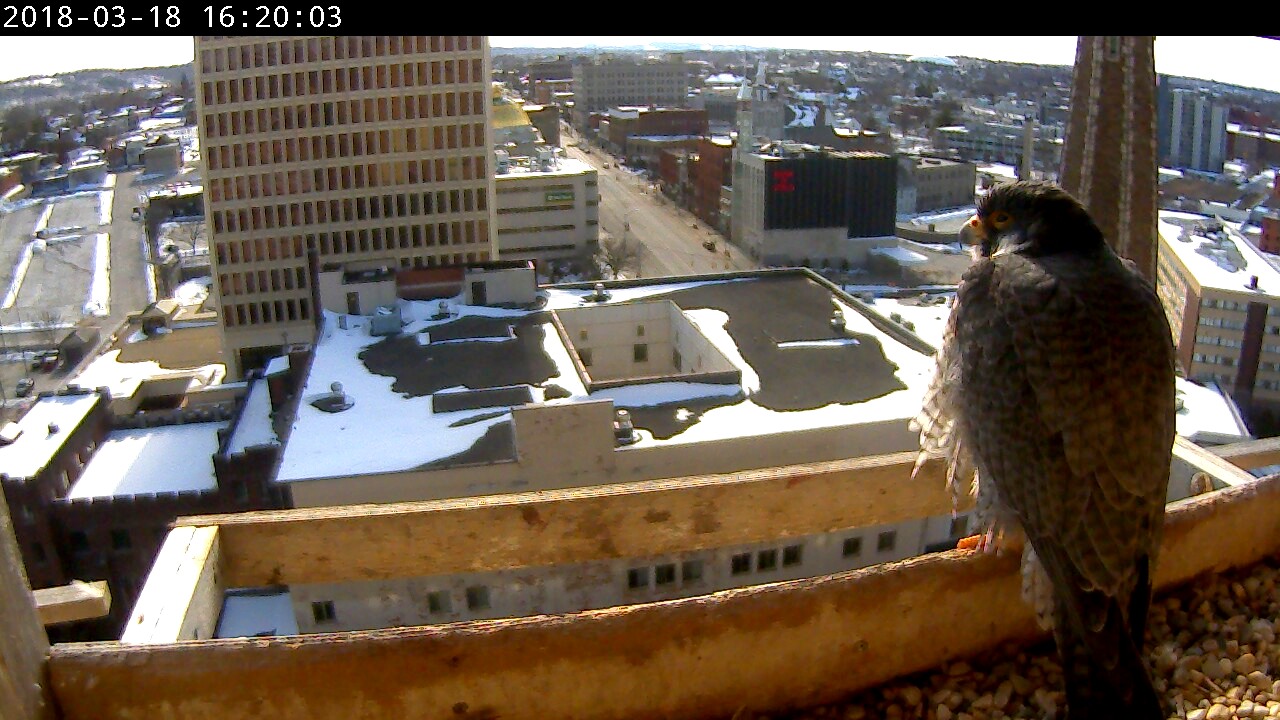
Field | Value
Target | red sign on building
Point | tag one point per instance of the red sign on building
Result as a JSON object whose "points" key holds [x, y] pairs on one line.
{"points": [[784, 180]]}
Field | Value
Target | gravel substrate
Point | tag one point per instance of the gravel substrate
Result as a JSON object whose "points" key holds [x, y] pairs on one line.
{"points": [[1212, 648]]}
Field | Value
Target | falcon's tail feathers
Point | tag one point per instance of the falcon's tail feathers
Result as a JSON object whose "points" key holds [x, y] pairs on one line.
{"points": [[1104, 670]]}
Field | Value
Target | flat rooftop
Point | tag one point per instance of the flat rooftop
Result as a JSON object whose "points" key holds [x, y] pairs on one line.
{"points": [[1224, 261], [563, 166], [797, 373], [162, 459], [1206, 413], [35, 447]]}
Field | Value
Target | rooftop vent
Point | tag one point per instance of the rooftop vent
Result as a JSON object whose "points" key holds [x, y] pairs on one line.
{"points": [[53, 428], [334, 401], [837, 320], [599, 294], [442, 310], [624, 432], [1253, 282]]}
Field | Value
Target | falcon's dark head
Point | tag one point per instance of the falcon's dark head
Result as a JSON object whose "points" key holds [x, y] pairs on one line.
{"points": [[1030, 218]]}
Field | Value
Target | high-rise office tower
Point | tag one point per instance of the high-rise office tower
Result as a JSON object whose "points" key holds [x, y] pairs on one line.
{"points": [[1198, 131], [360, 152]]}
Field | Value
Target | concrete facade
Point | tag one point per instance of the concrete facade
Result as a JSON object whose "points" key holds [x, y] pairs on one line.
{"points": [[1198, 131], [349, 148], [601, 84], [548, 214]]}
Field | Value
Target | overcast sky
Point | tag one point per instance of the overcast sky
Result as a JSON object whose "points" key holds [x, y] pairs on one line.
{"points": [[1247, 61]]}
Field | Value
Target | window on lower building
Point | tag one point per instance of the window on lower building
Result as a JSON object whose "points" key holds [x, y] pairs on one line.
{"points": [[584, 354], [638, 578], [886, 540], [691, 571], [477, 597], [120, 540], [439, 602], [640, 352], [323, 611], [741, 563], [852, 547], [664, 574], [79, 542], [38, 553], [792, 555], [959, 526], [767, 560]]}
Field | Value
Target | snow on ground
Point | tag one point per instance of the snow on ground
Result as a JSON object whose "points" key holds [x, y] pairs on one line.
{"points": [[19, 274], [100, 287], [194, 291], [168, 458]]}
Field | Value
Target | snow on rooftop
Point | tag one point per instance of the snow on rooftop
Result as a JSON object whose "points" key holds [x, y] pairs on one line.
{"points": [[1227, 262], [35, 447], [276, 365], [167, 458], [247, 614], [1208, 410], [369, 438], [123, 378], [901, 255], [254, 427]]}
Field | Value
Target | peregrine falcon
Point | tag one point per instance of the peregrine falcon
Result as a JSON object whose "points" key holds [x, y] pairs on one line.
{"points": [[1054, 396]]}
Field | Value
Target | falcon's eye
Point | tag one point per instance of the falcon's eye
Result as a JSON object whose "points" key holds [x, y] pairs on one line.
{"points": [[1001, 220]]}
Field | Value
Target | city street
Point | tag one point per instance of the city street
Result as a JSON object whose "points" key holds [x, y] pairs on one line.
{"points": [[671, 238]]}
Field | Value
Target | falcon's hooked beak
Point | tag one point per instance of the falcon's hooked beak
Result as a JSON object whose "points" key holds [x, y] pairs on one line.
{"points": [[974, 234]]}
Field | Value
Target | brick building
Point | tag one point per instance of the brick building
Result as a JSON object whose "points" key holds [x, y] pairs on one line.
{"points": [[92, 494]]}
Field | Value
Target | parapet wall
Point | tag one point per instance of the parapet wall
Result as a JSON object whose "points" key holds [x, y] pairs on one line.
{"points": [[767, 648]]}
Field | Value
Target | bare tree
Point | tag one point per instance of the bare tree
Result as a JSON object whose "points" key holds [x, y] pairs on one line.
{"points": [[618, 257], [187, 233]]}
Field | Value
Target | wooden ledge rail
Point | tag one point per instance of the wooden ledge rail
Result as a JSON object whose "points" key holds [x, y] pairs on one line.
{"points": [[75, 601], [1250, 454], [182, 597], [765, 648], [634, 519]]}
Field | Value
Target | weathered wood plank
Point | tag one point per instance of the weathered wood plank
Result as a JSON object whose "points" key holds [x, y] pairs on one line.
{"points": [[24, 690], [807, 641], [76, 601], [1250, 454], [183, 594], [635, 519]]}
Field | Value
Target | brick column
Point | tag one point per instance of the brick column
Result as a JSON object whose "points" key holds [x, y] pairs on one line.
{"points": [[1109, 158]]}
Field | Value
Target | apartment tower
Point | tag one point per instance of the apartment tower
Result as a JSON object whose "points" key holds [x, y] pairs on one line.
{"points": [[351, 152]]}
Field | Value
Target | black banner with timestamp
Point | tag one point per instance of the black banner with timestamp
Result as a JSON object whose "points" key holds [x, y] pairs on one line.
{"points": [[178, 18]]}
